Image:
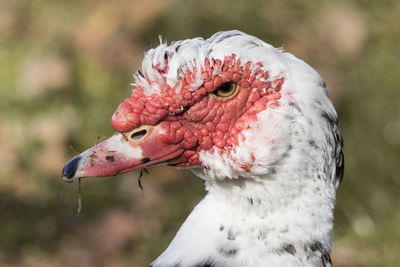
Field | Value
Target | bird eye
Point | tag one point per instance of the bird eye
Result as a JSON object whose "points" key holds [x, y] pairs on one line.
{"points": [[226, 90]]}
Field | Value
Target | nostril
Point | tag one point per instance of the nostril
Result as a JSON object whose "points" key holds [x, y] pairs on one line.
{"points": [[138, 135]]}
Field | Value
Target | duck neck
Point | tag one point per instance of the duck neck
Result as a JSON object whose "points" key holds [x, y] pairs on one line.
{"points": [[248, 222]]}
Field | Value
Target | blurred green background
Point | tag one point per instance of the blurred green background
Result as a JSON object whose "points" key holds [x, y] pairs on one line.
{"points": [[66, 65]]}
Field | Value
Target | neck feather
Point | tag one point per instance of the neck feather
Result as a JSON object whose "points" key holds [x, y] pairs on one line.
{"points": [[269, 222]]}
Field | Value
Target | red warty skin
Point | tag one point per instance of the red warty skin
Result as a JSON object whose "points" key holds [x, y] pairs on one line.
{"points": [[196, 120]]}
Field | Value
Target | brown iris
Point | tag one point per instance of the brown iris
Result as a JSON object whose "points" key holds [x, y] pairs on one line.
{"points": [[226, 91]]}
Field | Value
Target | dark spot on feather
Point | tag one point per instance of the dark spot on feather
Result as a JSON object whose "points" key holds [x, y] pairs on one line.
{"points": [[228, 252], [262, 235], [289, 248], [322, 83], [326, 260], [230, 235], [221, 228], [296, 107], [145, 160], [284, 156], [316, 245], [313, 144], [207, 263], [330, 119], [289, 117], [335, 140], [329, 140], [315, 249], [250, 200], [339, 167], [140, 73], [177, 48], [254, 43]]}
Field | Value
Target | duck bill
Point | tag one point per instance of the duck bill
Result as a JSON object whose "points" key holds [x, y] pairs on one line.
{"points": [[124, 152]]}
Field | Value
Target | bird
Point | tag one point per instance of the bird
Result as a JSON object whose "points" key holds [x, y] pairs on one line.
{"points": [[257, 125]]}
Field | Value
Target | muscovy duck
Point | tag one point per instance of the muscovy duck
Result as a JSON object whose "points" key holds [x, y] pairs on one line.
{"points": [[257, 125]]}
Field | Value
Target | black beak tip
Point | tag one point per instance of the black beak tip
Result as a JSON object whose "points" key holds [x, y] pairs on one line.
{"points": [[70, 168]]}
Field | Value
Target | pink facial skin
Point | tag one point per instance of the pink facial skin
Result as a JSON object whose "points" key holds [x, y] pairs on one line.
{"points": [[180, 123], [200, 120]]}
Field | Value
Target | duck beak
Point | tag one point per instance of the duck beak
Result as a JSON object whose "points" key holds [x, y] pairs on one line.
{"points": [[142, 147]]}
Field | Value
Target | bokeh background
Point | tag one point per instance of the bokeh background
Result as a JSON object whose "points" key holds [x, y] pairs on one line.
{"points": [[66, 65]]}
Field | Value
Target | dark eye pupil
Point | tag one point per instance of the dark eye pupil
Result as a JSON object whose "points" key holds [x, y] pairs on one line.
{"points": [[226, 87]]}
